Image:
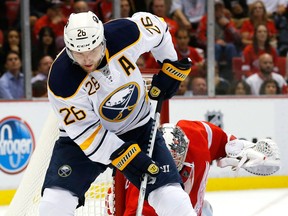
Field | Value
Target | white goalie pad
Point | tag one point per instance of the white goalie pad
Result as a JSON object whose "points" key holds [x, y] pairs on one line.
{"points": [[262, 158]]}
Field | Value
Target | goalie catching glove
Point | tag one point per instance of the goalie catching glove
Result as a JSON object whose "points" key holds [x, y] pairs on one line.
{"points": [[261, 158], [167, 81], [129, 157]]}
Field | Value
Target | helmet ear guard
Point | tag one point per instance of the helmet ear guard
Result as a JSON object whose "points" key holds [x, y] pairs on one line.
{"points": [[83, 32], [176, 141]]}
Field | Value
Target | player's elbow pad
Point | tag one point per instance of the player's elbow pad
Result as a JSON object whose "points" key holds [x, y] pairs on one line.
{"points": [[130, 158]]}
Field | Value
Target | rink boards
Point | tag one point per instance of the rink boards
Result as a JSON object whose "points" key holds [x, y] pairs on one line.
{"points": [[249, 118]]}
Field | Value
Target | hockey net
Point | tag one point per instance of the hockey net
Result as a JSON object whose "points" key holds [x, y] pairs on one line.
{"points": [[98, 201], [106, 196]]}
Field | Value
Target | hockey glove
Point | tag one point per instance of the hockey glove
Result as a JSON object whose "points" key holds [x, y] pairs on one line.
{"points": [[129, 157], [167, 81], [261, 158]]}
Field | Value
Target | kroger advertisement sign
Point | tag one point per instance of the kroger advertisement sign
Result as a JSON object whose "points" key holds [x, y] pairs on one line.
{"points": [[21, 123], [16, 144]]}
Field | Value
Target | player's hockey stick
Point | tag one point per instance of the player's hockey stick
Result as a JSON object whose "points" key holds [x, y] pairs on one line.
{"points": [[143, 185]]}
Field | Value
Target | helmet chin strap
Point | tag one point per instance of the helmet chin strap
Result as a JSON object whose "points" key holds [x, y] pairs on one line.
{"points": [[103, 52], [68, 51]]}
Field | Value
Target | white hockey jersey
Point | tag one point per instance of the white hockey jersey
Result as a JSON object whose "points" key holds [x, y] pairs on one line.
{"points": [[94, 108]]}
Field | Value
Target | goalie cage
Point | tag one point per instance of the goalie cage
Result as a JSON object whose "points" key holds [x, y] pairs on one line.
{"points": [[104, 197], [97, 202]]}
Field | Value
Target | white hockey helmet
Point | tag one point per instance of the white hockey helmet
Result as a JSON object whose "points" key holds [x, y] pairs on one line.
{"points": [[83, 32], [176, 141]]}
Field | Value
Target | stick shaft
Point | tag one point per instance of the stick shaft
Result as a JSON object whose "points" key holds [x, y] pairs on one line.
{"points": [[142, 190]]}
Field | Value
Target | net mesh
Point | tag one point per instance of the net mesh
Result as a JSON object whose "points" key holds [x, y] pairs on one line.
{"points": [[28, 194]]}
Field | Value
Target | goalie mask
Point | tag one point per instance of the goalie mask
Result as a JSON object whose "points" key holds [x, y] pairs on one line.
{"points": [[177, 143]]}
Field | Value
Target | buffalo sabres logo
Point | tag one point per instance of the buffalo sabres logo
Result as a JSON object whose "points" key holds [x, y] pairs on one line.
{"points": [[215, 118], [120, 103], [64, 171]]}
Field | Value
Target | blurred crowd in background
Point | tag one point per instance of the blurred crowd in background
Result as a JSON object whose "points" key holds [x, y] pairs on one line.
{"points": [[251, 42]]}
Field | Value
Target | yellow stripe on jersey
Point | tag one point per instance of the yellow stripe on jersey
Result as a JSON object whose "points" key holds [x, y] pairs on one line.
{"points": [[174, 72], [90, 139]]}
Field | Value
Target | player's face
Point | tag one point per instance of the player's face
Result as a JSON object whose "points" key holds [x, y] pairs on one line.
{"points": [[89, 60]]}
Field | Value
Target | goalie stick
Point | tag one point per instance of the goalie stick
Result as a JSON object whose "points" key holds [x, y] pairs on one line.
{"points": [[143, 185]]}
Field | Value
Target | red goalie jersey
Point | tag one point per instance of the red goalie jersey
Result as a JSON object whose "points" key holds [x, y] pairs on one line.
{"points": [[206, 143]]}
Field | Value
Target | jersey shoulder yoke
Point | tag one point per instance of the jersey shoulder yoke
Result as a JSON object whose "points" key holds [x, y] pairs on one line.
{"points": [[65, 77]]}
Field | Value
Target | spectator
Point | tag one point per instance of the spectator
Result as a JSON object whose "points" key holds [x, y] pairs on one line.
{"points": [[221, 85], [150, 61], [281, 22], [39, 89], [188, 13], [53, 19], [43, 69], [46, 46], [272, 7], [4, 24], [261, 44], [12, 41], [198, 86], [227, 39], [239, 87], [238, 9], [103, 10], [269, 87], [1, 38], [33, 19], [80, 6], [266, 72], [141, 5], [158, 7], [141, 62], [12, 81], [39, 8], [126, 8], [183, 88], [258, 15], [184, 51]]}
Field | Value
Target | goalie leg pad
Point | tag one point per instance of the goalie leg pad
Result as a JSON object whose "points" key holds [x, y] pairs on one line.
{"points": [[129, 157]]}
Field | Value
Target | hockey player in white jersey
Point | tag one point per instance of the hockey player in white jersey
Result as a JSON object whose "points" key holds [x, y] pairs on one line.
{"points": [[104, 112]]}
